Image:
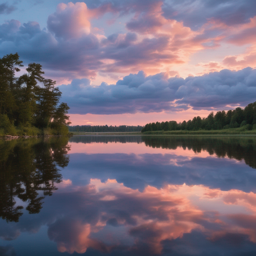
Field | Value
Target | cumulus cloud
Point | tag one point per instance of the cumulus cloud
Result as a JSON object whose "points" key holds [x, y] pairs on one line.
{"points": [[70, 20], [72, 45], [141, 93], [34, 44], [194, 13]]}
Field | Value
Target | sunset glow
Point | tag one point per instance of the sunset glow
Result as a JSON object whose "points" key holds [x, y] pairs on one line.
{"points": [[138, 61]]}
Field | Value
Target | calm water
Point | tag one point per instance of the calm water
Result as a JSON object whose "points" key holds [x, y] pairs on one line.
{"points": [[128, 196]]}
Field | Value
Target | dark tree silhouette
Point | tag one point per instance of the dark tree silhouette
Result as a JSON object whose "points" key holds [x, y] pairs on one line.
{"points": [[26, 168]]}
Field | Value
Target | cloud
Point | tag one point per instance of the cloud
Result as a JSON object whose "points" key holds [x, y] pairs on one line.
{"points": [[71, 45], [70, 21], [195, 14], [236, 62], [241, 61], [78, 56], [244, 34], [147, 21], [125, 6], [211, 67], [141, 93], [6, 9]]}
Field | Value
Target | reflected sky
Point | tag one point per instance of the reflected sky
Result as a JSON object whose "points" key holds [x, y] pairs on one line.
{"points": [[139, 196]]}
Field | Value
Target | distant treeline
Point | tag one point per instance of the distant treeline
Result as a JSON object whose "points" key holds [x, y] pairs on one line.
{"points": [[221, 120], [29, 104], [105, 128]]}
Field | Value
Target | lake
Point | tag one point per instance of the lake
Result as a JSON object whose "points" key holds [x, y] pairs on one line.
{"points": [[128, 195]]}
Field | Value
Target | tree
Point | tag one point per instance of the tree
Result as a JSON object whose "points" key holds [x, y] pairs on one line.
{"points": [[48, 99], [29, 100], [11, 64], [60, 118], [221, 120]]}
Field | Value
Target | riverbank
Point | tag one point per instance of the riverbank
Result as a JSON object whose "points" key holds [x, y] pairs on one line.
{"points": [[31, 131], [234, 131], [15, 137]]}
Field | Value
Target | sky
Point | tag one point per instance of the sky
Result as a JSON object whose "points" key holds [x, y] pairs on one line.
{"points": [[131, 62]]}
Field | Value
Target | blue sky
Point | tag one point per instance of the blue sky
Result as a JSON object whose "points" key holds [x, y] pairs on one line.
{"points": [[94, 48]]}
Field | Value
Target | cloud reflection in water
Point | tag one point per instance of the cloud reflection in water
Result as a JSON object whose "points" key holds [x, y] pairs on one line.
{"points": [[165, 200], [103, 215]]}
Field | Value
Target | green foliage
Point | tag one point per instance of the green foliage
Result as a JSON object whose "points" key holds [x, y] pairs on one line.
{"points": [[6, 125], [243, 123], [30, 102], [28, 131], [231, 121]]}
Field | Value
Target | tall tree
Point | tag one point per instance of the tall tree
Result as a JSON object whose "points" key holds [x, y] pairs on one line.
{"points": [[48, 100], [30, 100]]}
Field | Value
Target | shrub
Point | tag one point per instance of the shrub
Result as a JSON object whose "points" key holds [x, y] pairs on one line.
{"points": [[249, 127], [6, 125], [243, 123], [28, 130]]}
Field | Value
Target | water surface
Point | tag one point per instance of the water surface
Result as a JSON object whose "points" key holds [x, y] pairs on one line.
{"points": [[128, 195]]}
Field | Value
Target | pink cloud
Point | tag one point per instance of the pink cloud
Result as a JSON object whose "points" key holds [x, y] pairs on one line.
{"points": [[70, 20], [241, 61], [244, 34]]}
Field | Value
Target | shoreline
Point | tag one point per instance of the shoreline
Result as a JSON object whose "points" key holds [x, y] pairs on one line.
{"points": [[169, 134], [98, 134], [16, 137]]}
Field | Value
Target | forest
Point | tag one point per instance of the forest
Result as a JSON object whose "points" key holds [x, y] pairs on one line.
{"points": [[244, 119], [29, 104], [105, 128]]}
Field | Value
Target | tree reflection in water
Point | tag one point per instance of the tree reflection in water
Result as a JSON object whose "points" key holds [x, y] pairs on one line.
{"points": [[29, 171], [239, 148], [231, 147]]}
